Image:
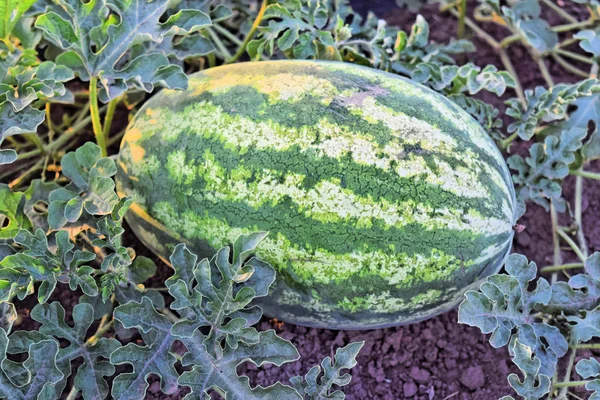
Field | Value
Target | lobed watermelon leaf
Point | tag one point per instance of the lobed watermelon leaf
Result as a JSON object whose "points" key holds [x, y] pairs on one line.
{"points": [[91, 188], [517, 316], [215, 294], [538, 176], [467, 78], [589, 41], [534, 385], [11, 12], [12, 213], [98, 36], [89, 378], [549, 105], [314, 386], [60, 262], [24, 81], [505, 304], [36, 377], [590, 368]]}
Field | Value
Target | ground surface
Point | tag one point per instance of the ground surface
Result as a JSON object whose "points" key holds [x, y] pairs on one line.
{"points": [[435, 359]]}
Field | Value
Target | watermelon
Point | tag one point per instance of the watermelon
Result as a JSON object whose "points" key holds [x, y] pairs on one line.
{"points": [[384, 201]]}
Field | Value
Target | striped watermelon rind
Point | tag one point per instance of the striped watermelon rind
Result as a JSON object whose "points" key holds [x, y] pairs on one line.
{"points": [[383, 199]]}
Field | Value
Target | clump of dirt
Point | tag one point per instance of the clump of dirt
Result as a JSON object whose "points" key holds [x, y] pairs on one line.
{"points": [[430, 360]]}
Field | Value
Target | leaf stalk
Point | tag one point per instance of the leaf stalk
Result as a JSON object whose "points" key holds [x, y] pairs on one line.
{"points": [[95, 113], [250, 35]]}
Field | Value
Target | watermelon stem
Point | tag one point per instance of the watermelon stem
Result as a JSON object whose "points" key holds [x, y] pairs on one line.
{"points": [[571, 243], [250, 34], [108, 117], [570, 384], [560, 11], [506, 142], [585, 174], [567, 376], [555, 240], [95, 113], [569, 67], [34, 139], [555, 268], [579, 214], [462, 11], [585, 346], [219, 43]]}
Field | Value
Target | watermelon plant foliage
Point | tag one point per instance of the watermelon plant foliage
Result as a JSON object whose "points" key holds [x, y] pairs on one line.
{"points": [[61, 222]]}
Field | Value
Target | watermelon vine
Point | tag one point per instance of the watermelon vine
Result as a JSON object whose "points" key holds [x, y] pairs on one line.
{"points": [[62, 222]]}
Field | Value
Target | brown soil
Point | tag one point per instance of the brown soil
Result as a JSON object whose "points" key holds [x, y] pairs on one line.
{"points": [[434, 359]]}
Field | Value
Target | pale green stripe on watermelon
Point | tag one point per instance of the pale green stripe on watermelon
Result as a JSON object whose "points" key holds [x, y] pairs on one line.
{"points": [[326, 201], [240, 134], [444, 107], [321, 266]]}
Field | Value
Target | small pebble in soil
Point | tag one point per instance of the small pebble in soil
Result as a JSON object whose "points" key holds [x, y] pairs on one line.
{"points": [[410, 389], [473, 378], [420, 375]]}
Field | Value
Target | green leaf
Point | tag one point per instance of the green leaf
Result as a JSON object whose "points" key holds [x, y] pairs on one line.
{"points": [[99, 306], [23, 81], [211, 294], [108, 236], [79, 28], [90, 375], [291, 25], [221, 373], [190, 38], [314, 386], [419, 55], [539, 176], [44, 81], [16, 123], [306, 29], [580, 293], [207, 372], [505, 304], [92, 188], [221, 293], [489, 79], [534, 385], [589, 41], [153, 358], [12, 206], [590, 368], [65, 264], [142, 269], [454, 80], [524, 17], [550, 105], [40, 371], [10, 13], [19, 272], [484, 113], [587, 327]]}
